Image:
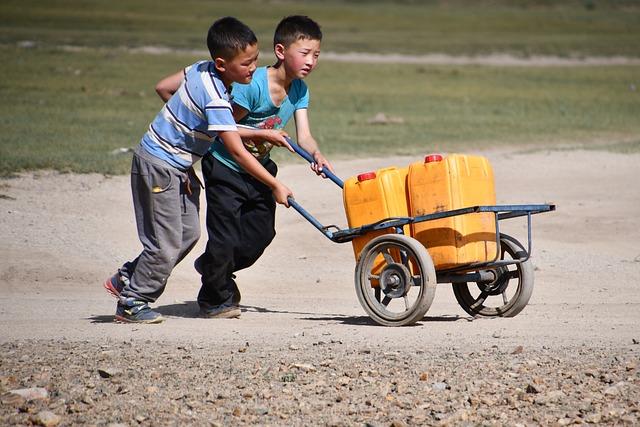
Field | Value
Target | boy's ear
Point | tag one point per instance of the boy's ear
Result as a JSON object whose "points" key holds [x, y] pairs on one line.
{"points": [[279, 49], [220, 64]]}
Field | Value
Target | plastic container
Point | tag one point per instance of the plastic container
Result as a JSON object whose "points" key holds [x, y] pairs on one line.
{"points": [[457, 181], [374, 196]]}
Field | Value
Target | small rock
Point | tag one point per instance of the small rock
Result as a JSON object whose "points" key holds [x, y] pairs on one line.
{"points": [[46, 419], [261, 410], [383, 119], [424, 376], [440, 386], [614, 389], [304, 367], [532, 389], [518, 350], [151, 390], [121, 150], [108, 372], [26, 44], [12, 399], [33, 393]]}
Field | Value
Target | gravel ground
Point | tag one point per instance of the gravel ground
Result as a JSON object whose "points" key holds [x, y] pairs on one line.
{"points": [[321, 383]]}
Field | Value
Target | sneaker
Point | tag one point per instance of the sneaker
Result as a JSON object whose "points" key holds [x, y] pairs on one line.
{"points": [[223, 311], [115, 284], [130, 310]]}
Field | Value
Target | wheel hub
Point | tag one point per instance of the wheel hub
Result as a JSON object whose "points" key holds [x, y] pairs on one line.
{"points": [[395, 280], [499, 285]]}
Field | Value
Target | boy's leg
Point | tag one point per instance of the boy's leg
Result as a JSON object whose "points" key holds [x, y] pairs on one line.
{"points": [[225, 193], [257, 221], [159, 207], [190, 195]]}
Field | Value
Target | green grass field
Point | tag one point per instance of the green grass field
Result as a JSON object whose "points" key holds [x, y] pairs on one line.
{"points": [[69, 109]]}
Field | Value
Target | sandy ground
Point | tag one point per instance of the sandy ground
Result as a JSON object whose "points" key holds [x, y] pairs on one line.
{"points": [[62, 235]]}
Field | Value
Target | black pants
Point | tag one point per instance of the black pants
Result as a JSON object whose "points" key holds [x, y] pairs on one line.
{"points": [[240, 223]]}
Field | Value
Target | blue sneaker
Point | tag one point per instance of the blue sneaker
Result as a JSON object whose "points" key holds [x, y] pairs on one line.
{"points": [[115, 284], [130, 310], [222, 311]]}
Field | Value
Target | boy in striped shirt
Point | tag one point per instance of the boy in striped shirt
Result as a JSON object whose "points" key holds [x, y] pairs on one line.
{"points": [[166, 203]]}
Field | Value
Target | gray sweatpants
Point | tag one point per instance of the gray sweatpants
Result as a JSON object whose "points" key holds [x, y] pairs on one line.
{"points": [[166, 205]]}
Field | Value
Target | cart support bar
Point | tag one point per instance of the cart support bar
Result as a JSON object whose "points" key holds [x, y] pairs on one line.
{"points": [[478, 276], [308, 157]]}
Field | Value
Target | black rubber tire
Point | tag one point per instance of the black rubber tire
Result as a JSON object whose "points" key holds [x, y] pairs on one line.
{"points": [[418, 268], [521, 277]]}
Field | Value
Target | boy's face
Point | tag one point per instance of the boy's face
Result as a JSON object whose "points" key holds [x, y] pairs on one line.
{"points": [[300, 58], [240, 68]]}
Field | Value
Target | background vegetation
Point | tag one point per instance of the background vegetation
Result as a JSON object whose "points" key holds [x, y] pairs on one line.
{"points": [[74, 91]]}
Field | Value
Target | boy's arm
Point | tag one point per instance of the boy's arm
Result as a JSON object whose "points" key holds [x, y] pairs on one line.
{"points": [[166, 87], [306, 141], [234, 146]]}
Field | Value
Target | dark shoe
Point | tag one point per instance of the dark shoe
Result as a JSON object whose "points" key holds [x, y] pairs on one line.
{"points": [[115, 284], [223, 311], [132, 311]]}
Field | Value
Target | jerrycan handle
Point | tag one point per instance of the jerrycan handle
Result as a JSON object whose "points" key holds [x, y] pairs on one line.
{"points": [[308, 157]]}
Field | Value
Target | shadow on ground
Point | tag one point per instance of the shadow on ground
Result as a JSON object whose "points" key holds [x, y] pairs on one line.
{"points": [[367, 321], [190, 310]]}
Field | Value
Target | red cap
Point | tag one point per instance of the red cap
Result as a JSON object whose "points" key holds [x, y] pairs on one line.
{"points": [[366, 176], [433, 158]]}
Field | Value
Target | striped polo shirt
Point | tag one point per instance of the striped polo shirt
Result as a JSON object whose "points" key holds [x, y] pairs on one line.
{"points": [[184, 129]]}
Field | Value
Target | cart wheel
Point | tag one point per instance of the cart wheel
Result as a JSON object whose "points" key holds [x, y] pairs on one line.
{"points": [[395, 280], [508, 294]]}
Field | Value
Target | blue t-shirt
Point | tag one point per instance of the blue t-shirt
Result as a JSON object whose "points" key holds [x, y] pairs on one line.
{"points": [[262, 114], [184, 129]]}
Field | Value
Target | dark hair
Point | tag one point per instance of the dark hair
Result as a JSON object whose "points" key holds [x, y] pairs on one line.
{"points": [[227, 36], [296, 27]]}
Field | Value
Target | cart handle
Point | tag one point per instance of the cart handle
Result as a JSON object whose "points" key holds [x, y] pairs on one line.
{"points": [[308, 157], [302, 211]]}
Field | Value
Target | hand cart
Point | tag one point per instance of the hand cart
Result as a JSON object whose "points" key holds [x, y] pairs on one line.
{"points": [[401, 291]]}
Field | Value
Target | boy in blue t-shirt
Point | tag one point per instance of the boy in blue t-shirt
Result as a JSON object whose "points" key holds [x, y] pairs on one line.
{"points": [[240, 210], [166, 204]]}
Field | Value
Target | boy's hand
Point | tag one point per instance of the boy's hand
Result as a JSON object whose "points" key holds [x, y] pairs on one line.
{"points": [[281, 193], [277, 137], [320, 162]]}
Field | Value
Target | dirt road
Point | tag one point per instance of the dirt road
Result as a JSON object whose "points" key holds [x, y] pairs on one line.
{"points": [[303, 350]]}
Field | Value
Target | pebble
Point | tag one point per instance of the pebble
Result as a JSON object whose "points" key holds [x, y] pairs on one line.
{"points": [[108, 372], [46, 419], [33, 393]]}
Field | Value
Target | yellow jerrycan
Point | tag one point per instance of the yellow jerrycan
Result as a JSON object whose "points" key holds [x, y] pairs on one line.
{"points": [[456, 181], [374, 196]]}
